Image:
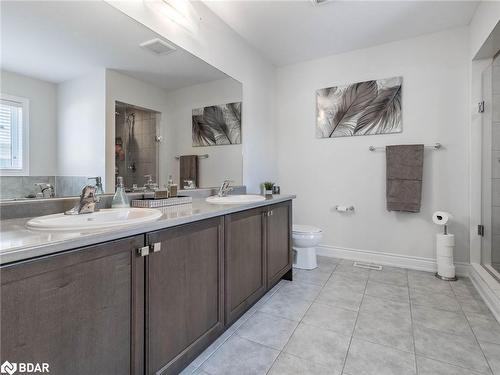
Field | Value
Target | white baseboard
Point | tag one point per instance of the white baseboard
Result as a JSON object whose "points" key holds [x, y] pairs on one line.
{"points": [[388, 259], [487, 287]]}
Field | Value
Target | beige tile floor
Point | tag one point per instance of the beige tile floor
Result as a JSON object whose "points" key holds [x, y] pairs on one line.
{"points": [[339, 319]]}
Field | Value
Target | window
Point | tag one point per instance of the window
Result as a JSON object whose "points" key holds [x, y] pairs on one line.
{"points": [[14, 113]]}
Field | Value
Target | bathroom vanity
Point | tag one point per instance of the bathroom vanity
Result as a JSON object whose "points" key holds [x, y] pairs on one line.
{"points": [[144, 303]]}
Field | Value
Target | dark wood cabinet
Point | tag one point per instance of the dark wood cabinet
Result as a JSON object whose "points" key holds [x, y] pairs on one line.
{"points": [[77, 311], [245, 260], [184, 296], [279, 245], [111, 309]]}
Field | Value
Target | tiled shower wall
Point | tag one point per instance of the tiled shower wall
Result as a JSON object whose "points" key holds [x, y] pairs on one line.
{"points": [[21, 186], [495, 141], [140, 149]]}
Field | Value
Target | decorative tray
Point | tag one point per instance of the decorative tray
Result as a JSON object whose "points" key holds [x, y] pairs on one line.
{"points": [[155, 203]]}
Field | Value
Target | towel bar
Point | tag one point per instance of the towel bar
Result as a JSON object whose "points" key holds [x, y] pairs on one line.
{"points": [[204, 156], [436, 146]]}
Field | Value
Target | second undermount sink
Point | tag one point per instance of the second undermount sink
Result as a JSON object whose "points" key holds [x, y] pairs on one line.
{"points": [[235, 199], [103, 219]]}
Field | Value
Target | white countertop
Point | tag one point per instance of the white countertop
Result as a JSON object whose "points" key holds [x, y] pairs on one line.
{"points": [[18, 243]]}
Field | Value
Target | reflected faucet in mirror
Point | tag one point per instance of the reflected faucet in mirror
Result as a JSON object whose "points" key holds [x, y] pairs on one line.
{"points": [[189, 184], [150, 185], [98, 184], [46, 190]]}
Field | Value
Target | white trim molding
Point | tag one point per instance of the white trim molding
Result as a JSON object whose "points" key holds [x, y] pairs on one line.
{"points": [[388, 259]]}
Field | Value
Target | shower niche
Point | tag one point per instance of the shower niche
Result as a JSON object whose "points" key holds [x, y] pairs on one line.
{"points": [[137, 143]]}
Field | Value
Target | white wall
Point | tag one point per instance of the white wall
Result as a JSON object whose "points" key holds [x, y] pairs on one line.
{"points": [[220, 46], [81, 125], [43, 119], [224, 162], [326, 172]]}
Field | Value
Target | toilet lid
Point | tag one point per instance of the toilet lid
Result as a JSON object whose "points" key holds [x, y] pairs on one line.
{"points": [[305, 229]]}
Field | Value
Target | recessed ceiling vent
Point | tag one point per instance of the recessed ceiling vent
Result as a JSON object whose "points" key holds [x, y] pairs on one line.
{"points": [[158, 47]]}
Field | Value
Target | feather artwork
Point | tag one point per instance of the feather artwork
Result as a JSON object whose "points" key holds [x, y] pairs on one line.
{"points": [[363, 108], [217, 125]]}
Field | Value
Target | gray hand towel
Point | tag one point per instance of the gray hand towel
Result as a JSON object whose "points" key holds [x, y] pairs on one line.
{"points": [[188, 169], [404, 168]]}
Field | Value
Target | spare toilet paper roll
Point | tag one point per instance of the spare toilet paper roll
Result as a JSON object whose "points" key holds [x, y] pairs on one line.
{"points": [[441, 217]]}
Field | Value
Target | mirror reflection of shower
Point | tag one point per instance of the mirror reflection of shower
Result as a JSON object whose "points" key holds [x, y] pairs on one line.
{"points": [[136, 145]]}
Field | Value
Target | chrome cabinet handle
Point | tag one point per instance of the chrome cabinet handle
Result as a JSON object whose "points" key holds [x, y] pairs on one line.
{"points": [[143, 251], [156, 247], [146, 250]]}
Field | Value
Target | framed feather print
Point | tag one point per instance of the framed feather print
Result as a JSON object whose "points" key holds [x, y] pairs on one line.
{"points": [[217, 125], [362, 108]]}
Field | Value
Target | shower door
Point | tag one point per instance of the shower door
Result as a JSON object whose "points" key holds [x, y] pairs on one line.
{"points": [[136, 144], [490, 121]]}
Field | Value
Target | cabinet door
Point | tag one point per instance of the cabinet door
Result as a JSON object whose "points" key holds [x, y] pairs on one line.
{"points": [[245, 261], [76, 311], [185, 294], [279, 246]]}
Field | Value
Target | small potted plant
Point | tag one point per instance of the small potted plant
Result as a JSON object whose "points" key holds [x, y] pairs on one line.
{"points": [[268, 187]]}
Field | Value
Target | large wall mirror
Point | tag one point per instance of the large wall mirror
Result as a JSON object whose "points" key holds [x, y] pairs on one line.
{"points": [[86, 91]]}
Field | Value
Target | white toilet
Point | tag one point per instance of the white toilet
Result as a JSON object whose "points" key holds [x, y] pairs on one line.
{"points": [[305, 239]]}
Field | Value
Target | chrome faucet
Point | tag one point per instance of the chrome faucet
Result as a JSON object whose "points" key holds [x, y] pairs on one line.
{"points": [[88, 202], [224, 188], [46, 190]]}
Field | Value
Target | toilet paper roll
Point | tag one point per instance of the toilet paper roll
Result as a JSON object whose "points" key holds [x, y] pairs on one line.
{"points": [[441, 217]]}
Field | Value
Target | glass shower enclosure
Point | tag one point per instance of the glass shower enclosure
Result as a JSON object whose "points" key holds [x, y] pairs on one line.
{"points": [[136, 145], [489, 108]]}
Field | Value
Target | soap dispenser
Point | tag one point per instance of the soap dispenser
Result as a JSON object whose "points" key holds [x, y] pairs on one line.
{"points": [[120, 199]]}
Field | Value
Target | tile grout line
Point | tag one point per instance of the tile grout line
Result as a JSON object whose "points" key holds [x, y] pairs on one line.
{"points": [[355, 323], [232, 334], [300, 321], [473, 333], [412, 325], [331, 275]]}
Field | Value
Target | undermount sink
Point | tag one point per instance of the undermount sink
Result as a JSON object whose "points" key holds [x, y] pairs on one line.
{"points": [[103, 219], [235, 199]]}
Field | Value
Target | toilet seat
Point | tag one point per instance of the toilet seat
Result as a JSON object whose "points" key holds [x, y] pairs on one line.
{"points": [[304, 229]]}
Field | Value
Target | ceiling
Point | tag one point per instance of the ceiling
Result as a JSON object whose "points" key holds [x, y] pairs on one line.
{"points": [[61, 40], [286, 32]]}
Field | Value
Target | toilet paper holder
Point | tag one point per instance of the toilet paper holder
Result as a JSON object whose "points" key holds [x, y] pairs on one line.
{"points": [[341, 208]]}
